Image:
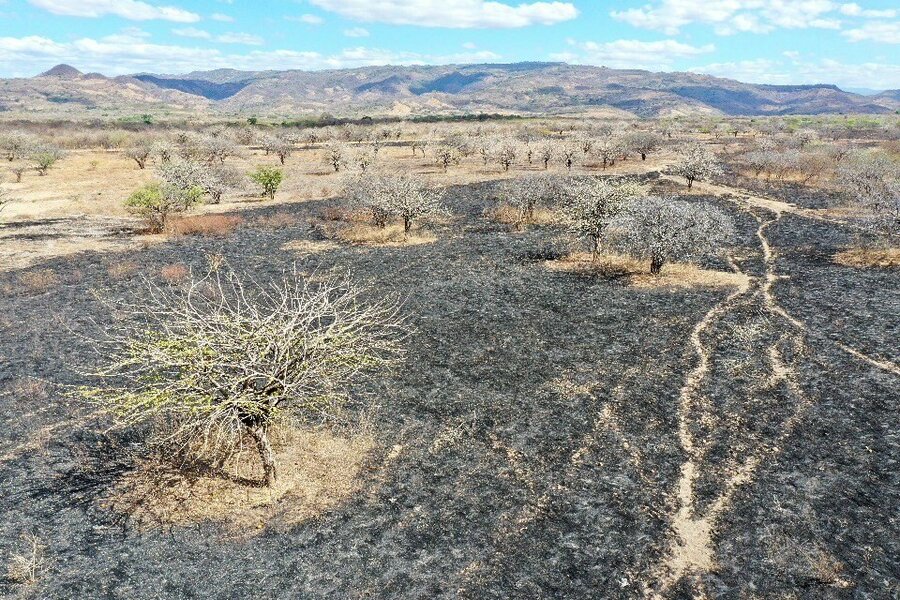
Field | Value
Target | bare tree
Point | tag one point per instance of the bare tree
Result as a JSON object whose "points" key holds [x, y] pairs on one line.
{"points": [[447, 155], [222, 360], [18, 171], [505, 152], [644, 142], [873, 181], [696, 163], [336, 155], [546, 151], [279, 146], [16, 144], [592, 205], [140, 153], [664, 230], [607, 149], [527, 193], [568, 154], [4, 199]]}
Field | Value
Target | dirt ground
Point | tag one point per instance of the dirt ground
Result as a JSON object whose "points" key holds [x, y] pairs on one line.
{"points": [[553, 433]]}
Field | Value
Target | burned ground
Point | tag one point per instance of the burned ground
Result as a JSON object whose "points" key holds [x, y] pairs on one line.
{"points": [[528, 445]]}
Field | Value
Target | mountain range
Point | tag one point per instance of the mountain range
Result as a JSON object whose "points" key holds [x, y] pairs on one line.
{"points": [[522, 88]]}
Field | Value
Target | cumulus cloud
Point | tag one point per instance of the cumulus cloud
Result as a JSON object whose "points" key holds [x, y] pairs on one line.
{"points": [[630, 54], [875, 31], [240, 38], [874, 75], [127, 9], [131, 52], [221, 18], [456, 14], [733, 16]]}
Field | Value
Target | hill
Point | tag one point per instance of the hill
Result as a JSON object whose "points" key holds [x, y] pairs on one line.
{"points": [[447, 89]]}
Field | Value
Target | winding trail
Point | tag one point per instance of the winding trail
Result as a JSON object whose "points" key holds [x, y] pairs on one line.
{"points": [[691, 551]]}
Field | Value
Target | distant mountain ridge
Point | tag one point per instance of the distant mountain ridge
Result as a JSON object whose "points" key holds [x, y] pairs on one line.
{"points": [[524, 88]]}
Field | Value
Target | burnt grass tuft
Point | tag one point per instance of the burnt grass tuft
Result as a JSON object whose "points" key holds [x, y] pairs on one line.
{"points": [[509, 481]]}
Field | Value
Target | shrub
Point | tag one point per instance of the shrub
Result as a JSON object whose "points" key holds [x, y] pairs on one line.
{"points": [[447, 155], [220, 361], [268, 179], [663, 230], [140, 154], [872, 180], [696, 163], [402, 196], [593, 204], [45, 158], [154, 202]]}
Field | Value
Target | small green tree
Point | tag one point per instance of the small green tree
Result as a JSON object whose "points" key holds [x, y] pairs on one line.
{"points": [[268, 178], [154, 202], [45, 158]]}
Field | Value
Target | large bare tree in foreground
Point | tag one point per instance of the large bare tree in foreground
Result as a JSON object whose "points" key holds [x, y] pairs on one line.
{"points": [[220, 360]]}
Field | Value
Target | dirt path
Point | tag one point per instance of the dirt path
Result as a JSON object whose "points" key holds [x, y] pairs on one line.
{"points": [[692, 549]]}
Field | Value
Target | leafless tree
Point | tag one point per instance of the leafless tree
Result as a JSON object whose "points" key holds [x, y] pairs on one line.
{"points": [[527, 193], [696, 163], [643, 142], [546, 151], [16, 144], [568, 154], [664, 230], [140, 153], [447, 155], [592, 205], [336, 155], [18, 171], [872, 179], [224, 359], [607, 149], [505, 152], [279, 146]]}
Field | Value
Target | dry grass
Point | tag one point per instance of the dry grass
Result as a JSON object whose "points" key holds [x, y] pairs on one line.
{"points": [[204, 225], [318, 470], [869, 257], [637, 272], [174, 273], [122, 270], [366, 234], [278, 220], [25, 567], [310, 246], [29, 389], [510, 215], [37, 282]]}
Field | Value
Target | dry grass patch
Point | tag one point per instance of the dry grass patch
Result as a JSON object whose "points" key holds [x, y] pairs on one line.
{"points": [[367, 234], [512, 216], [637, 272], [318, 470], [310, 246], [204, 225], [278, 220], [37, 282], [122, 270], [869, 257], [174, 273]]}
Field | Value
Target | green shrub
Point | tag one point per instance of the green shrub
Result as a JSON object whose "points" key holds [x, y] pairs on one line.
{"points": [[268, 178]]}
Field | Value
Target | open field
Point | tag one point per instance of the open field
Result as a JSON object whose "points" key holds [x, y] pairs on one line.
{"points": [[559, 425]]}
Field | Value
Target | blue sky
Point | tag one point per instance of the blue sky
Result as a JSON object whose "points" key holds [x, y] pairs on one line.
{"points": [[852, 44]]}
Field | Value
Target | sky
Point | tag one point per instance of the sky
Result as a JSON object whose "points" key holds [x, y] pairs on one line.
{"points": [[851, 44]]}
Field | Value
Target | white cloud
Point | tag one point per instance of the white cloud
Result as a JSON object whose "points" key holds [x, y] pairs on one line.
{"points": [[240, 38], [630, 54], [192, 32], [874, 31], [307, 18], [129, 52], [356, 32], [732, 16], [864, 75], [452, 13], [221, 18], [855, 10], [127, 9]]}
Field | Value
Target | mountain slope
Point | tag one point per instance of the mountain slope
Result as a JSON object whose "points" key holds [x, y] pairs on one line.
{"points": [[514, 88]]}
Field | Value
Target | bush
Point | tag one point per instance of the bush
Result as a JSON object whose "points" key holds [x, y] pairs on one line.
{"points": [[696, 163], [663, 230], [402, 196], [154, 202], [218, 361], [872, 180], [45, 158], [593, 204], [268, 178]]}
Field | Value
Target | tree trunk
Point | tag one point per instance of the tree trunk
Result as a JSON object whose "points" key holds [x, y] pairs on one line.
{"points": [[266, 454], [656, 265], [643, 156], [407, 224], [690, 183]]}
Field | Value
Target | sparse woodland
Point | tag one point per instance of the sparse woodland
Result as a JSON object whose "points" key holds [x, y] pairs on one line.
{"points": [[539, 357]]}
